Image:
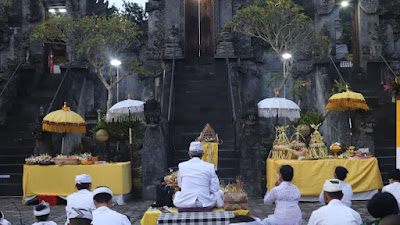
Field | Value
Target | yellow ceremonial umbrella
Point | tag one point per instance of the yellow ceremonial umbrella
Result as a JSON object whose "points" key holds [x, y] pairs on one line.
{"points": [[64, 121], [347, 101]]}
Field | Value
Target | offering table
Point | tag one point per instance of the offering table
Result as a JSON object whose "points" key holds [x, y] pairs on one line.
{"points": [[60, 180], [309, 175]]}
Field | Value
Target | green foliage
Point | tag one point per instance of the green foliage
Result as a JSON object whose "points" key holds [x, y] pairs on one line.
{"points": [[299, 87], [338, 87], [310, 117], [119, 131], [282, 25], [97, 39], [135, 13]]}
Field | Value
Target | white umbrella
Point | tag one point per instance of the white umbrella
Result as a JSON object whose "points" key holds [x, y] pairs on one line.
{"points": [[278, 107], [122, 111]]}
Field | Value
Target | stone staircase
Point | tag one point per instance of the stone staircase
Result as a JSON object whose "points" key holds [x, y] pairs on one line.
{"points": [[16, 139], [201, 96]]}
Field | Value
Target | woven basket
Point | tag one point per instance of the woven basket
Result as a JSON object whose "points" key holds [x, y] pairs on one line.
{"points": [[66, 161]]}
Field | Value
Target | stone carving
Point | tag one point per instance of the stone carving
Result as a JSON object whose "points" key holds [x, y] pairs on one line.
{"points": [[369, 6], [151, 6], [225, 46], [34, 14], [173, 47], [325, 6], [338, 31], [156, 34], [152, 113], [376, 46], [364, 124]]}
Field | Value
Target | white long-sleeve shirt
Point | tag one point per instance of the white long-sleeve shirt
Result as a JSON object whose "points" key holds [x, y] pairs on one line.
{"points": [[394, 189], [105, 216], [335, 213], [4, 222], [287, 211], [45, 223], [82, 199], [347, 195], [199, 184]]}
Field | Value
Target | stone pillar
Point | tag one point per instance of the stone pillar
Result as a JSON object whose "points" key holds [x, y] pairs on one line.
{"points": [[154, 157]]}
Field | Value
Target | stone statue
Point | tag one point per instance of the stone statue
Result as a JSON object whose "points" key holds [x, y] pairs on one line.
{"points": [[152, 113], [369, 6], [34, 14], [225, 46], [172, 47], [364, 124], [376, 46], [325, 6]]}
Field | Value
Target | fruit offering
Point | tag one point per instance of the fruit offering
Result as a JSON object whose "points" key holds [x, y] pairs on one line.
{"points": [[317, 145], [44, 159], [172, 178]]}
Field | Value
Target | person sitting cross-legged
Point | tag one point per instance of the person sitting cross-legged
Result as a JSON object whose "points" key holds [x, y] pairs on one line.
{"points": [[341, 174], [380, 206], [394, 185], [286, 197], [83, 198], [42, 213], [198, 182], [79, 216], [335, 212]]}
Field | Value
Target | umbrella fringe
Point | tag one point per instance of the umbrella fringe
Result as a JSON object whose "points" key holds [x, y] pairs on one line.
{"points": [[64, 128], [345, 104], [111, 117]]}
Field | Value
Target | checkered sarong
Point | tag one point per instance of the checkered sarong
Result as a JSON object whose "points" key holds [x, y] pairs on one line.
{"points": [[195, 218]]}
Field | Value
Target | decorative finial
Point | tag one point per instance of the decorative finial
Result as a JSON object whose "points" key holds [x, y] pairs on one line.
{"points": [[276, 93], [129, 96], [347, 87]]}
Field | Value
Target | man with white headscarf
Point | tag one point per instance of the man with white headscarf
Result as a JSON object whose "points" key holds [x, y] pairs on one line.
{"points": [[83, 198], [198, 182], [335, 212], [103, 215], [42, 213], [2, 220]]}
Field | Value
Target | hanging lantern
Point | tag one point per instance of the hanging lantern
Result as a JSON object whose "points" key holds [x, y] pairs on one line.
{"points": [[102, 135]]}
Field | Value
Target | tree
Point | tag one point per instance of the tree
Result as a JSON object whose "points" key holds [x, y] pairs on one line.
{"points": [[97, 39], [135, 13], [282, 25]]}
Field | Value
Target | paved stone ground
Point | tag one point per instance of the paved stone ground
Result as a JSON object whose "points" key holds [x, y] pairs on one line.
{"points": [[136, 208]]}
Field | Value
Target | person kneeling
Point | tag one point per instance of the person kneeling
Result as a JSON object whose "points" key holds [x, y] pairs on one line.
{"points": [[286, 197], [198, 182], [79, 216]]}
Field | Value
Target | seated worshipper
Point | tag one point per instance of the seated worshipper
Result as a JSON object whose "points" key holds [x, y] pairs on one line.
{"points": [[394, 185], [79, 216], [390, 220], [42, 213], [341, 174], [198, 182], [103, 215], [83, 198], [2, 220], [286, 197], [335, 212], [380, 206], [245, 220]]}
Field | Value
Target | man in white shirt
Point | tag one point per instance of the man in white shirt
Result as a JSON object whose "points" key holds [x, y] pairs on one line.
{"points": [[341, 174], [80, 216], [286, 197], [83, 198], [42, 213], [335, 212], [103, 215], [394, 185], [198, 182]]}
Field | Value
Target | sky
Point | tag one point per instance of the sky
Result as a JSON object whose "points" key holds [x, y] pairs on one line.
{"points": [[118, 3]]}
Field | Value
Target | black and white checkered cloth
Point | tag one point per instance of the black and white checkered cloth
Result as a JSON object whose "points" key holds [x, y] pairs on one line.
{"points": [[195, 218]]}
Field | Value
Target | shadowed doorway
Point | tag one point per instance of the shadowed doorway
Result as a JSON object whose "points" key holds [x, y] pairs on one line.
{"points": [[199, 45]]}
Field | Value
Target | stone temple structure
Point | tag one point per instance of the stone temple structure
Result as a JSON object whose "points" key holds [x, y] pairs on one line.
{"points": [[198, 73]]}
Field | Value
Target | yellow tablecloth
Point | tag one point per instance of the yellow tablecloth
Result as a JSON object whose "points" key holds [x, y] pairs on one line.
{"points": [[151, 215], [310, 175], [60, 180]]}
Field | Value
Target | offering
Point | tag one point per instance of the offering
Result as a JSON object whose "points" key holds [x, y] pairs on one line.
{"points": [[317, 146], [281, 147], [296, 143], [335, 148], [235, 197], [39, 160], [66, 160], [172, 178]]}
